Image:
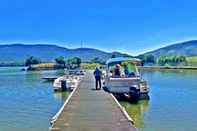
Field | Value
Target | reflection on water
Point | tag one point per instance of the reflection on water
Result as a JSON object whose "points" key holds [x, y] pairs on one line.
{"points": [[61, 95], [136, 111], [59, 72], [172, 104]]}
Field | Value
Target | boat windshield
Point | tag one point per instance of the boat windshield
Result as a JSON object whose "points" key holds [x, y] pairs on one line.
{"points": [[122, 69]]}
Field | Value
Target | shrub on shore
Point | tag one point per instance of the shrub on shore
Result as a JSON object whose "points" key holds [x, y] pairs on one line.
{"points": [[90, 66], [32, 60]]}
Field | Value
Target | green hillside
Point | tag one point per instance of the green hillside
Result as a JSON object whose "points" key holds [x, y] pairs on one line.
{"points": [[19, 52], [187, 48]]}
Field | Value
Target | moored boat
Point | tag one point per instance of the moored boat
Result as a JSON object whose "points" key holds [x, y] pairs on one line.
{"points": [[69, 81], [124, 80]]}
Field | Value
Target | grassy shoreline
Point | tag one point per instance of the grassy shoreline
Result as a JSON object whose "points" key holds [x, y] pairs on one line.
{"points": [[45, 66], [170, 67]]}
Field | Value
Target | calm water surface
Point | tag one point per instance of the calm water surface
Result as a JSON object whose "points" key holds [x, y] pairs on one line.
{"points": [[173, 102], [27, 103]]}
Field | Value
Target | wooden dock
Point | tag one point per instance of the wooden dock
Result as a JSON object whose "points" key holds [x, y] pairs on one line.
{"points": [[87, 109]]}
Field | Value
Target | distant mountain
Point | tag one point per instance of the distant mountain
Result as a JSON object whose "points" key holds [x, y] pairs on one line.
{"points": [[19, 52], [188, 48]]}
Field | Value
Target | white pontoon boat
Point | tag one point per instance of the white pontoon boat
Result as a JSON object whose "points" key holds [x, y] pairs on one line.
{"points": [[123, 79]]}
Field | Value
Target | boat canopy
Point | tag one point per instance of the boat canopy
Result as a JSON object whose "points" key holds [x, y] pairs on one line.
{"points": [[121, 59]]}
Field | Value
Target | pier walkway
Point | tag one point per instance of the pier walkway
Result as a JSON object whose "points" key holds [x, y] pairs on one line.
{"points": [[91, 110]]}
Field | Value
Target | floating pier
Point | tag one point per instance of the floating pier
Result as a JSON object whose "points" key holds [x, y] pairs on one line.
{"points": [[87, 109]]}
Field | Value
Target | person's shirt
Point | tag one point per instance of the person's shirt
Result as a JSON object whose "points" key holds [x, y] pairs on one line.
{"points": [[97, 72], [117, 73], [126, 72]]}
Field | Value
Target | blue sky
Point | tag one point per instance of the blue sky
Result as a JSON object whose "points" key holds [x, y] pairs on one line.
{"points": [[131, 26]]}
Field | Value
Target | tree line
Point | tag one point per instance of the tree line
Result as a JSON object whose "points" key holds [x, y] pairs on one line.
{"points": [[163, 60], [146, 59], [66, 63]]}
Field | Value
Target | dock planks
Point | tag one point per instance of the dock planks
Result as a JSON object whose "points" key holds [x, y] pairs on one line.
{"points": [[91, 110]]}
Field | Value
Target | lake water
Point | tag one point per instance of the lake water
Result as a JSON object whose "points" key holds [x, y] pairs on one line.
{"points": [[27, 103], [172, 105]]}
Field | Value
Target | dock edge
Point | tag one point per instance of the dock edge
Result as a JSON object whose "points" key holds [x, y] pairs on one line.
{"points": [[123, 110], [55, 117]]}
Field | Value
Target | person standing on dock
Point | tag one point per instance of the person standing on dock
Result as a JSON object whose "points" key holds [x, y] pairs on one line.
{"points": [[97, 75]]}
